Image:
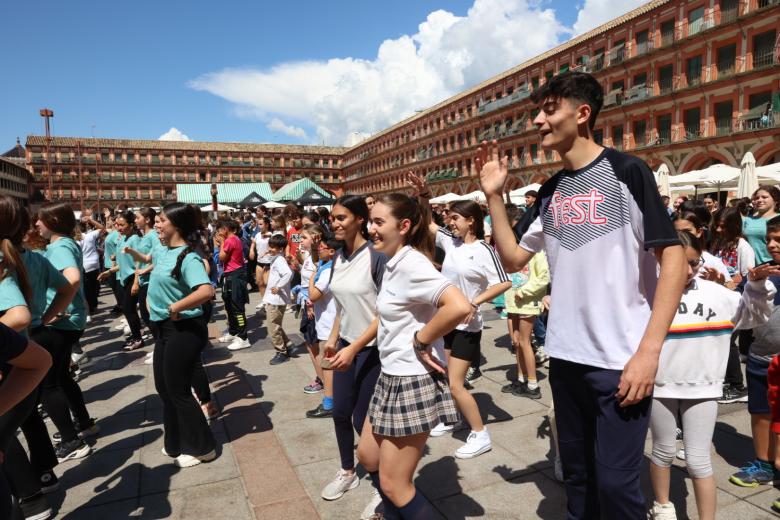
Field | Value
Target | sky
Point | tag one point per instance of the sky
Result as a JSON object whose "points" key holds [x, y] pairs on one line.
{"points": [[305, 72]]}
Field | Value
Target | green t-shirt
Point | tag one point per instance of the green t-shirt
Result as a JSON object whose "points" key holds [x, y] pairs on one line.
{"points": [[44, 276], [124, 260], [62, 254], [754, 229], [109, 248], [147, 246], [11, 294], [165, 290]]}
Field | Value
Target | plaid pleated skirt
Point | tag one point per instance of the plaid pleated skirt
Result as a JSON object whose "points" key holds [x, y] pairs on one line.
{"points": [[408, 405]]}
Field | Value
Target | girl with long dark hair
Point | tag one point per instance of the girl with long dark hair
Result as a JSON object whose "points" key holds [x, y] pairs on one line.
{"points": [[178, 287], [417, 306], [61, 395]]}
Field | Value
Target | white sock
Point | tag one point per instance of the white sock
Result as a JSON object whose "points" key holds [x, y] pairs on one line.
{"points": [[532, 384]]}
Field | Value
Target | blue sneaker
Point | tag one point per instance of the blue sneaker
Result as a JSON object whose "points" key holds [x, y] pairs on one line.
{"points": [[755, 473]]}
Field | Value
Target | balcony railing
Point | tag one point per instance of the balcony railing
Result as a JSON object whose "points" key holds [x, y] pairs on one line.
{"points": [[729, 15], [767, 3], [694, 80], [764, 58], [723, 127], [665, 85], [726, 69], [644, 47], [667, 38], [617, 55], [637, 93], [699, 25]]}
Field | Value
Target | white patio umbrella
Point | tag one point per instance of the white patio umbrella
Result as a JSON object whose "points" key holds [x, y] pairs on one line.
{"points": [[520, 192], [770, 172], [715, 174], [476, 196], [220, 207], [748, 180], [273, 204], [662, 180], [445, 199]]}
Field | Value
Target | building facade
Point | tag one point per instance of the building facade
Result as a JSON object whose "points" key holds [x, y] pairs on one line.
{"points": [[15, 180], [116, 172], [687, 83]]}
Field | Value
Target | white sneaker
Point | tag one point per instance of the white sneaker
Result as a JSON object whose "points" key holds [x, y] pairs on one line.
{"points": [[89, 318], [238, 344], [373, 507], [227, 338], [476, 444], [122, 324], [126, 330], [662, 512], [441, 428], [187, 461], [340, 484], [681, 454], [76, 357], [149, 359], [260, 306]]}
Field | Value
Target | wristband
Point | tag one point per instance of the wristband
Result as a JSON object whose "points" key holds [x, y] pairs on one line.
{"points": [[418, 345]]}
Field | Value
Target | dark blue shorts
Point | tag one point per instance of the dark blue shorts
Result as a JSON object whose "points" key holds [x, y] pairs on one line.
{"points": [[308, 328], [757, 386]]}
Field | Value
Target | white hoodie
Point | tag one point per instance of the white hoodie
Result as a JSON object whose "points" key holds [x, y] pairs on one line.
{"points": [[694, 355]]}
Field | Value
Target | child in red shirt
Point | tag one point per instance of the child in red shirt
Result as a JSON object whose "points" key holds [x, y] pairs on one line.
{"points": [[234, 283]]}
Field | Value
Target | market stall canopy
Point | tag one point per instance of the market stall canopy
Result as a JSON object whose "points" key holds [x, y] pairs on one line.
{"points": [[476, 196], [228, 193], [295, 189], [312, 197], [252, 200], [271, 204]]}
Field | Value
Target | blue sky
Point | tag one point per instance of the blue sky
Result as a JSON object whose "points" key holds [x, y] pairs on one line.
{"points": [[295, 72]]}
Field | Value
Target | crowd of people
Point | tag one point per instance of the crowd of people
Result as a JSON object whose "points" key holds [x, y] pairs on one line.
{"points": [[642, 313]]}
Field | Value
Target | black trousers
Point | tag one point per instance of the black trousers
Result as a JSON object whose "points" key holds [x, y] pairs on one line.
{"points": [[733, 366], [176, 353], [59, 393], [42, 455], [116, 288], [130, 307], [16, 467], [235, 296], [142, 306], [92, 290]]}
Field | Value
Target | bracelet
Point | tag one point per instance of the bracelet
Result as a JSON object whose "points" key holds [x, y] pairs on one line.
{"points": [[417, 344]]}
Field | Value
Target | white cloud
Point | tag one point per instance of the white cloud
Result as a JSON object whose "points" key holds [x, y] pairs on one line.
{"points": [[277, 125], [174, 134], [343, 96], [597, 12]]}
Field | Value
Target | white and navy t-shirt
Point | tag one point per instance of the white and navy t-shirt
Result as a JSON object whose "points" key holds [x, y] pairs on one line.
{"points": [[599, 226], [472, 268]]}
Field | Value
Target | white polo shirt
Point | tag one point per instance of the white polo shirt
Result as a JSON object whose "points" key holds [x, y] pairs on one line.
{"points": [[472, 268], [408, 299], [325, 307], [279, 276]]}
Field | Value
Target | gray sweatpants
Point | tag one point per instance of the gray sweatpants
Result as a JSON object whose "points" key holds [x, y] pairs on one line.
{"points": [[698, 425]]}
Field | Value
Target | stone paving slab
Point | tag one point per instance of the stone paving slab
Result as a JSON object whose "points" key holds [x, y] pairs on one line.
{"points": [[274, 462]]}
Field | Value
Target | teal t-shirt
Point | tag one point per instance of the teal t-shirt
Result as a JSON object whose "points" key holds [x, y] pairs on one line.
{"points": [[62, 254], [124, 260], [11, 294], [164, 289], [109, 248], [45, 276], [754, 229], [147, 246]]}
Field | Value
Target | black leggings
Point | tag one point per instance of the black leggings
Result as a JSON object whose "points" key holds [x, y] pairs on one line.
{"points": [[176, 353], [42, 455], [116, 288], [142, 306], [91, 290], [129, 307], [59, 393], [352, 392], [16, 466]]}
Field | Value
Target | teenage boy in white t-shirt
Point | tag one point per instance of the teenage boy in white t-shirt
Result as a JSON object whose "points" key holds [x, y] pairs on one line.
{"points": [[277, 297], [605, 231]]}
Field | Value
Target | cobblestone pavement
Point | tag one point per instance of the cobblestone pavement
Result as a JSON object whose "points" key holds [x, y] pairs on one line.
{"points": [[273, 461]]}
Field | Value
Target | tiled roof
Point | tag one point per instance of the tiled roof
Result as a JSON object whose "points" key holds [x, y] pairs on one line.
{"points": [[89, 142], [17, 152], [541, 58], [293, 190], [230, 193]]}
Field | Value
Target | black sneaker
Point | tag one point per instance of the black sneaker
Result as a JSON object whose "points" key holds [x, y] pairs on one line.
{"points": [[280, 358], [35, 507], [74, 449], [733, 394], [473, 375], [83, 430], [524, 391], [49, 482], [133, 344], [319, 413], [510, 388]]}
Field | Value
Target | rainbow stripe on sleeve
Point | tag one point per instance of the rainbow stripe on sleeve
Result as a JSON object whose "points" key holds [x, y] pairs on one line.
{"points": [[698, 330]]}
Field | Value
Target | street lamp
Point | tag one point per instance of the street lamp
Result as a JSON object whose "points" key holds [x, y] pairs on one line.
{"points": [[46, 114], [214, 200]]}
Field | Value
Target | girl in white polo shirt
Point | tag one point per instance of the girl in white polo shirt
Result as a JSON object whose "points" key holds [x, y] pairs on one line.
{"points": [[417, 305]]}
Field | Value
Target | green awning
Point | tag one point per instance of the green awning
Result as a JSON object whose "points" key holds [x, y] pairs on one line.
{"points": [[293, 190], [227, 193]]}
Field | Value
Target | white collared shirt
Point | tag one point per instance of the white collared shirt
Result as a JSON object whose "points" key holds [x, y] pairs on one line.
{"points": [[279, 277], [407, 300]]}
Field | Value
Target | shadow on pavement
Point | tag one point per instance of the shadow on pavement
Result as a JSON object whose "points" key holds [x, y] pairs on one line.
{"points": [[444, 473]]}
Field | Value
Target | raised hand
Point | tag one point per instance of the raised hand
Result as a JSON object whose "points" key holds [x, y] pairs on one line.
{"points": [[417, 182], [761, 272], [492, 169]]}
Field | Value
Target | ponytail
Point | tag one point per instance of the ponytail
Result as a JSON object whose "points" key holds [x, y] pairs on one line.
{"points": [[186, 218], [404, 207], [11, 264]]}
